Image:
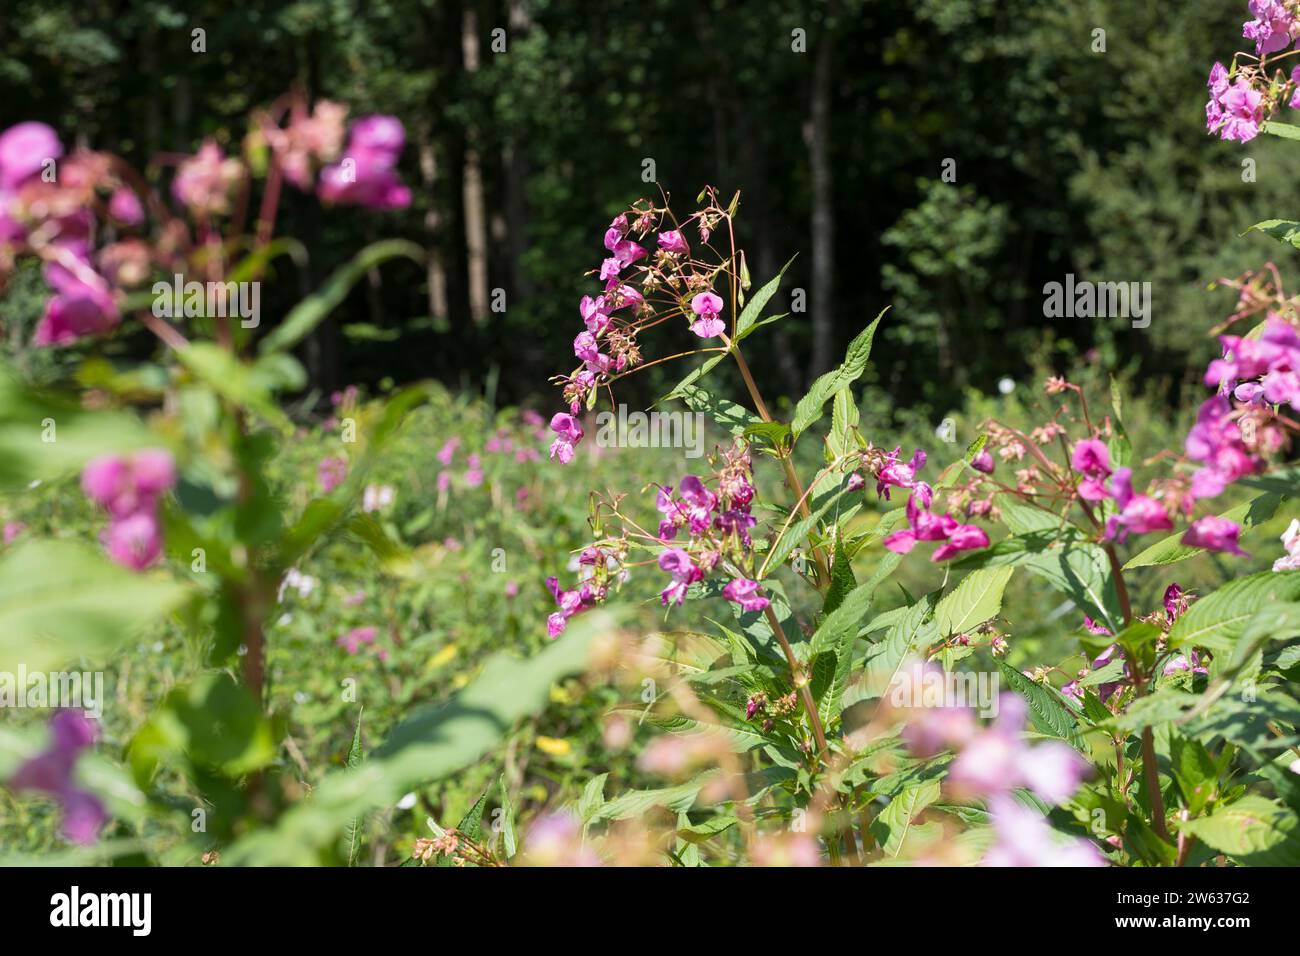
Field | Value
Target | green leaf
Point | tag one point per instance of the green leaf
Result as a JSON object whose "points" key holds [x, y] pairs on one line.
{"points": [[61, 600], [754, 308], [1253, 831], [972, 602], [1047, 711], [1283, 230], [897, 821], [726, 414], [428, 746], [311, 311], [593, 797], [237, 382], [1216, 620], [1082, 572], [844, 424], [911, 634], [213, 722], [1172, 550], [507, 829], [810, 407], [353, 835], [1195, 771], [44, 437], [636, 803], [1284, 130], [842, 579]]}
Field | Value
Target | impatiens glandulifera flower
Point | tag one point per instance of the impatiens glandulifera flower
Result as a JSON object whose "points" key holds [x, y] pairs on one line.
{"points": [[365, 174], [1216, 441], [924, 525], [1026, 838], [568, 434], [1091, 458], [129, 488], [983, 462], [1184, 662], [570, 603], [673, 241], [1214, 534], [1273, 28], [707, 306], [308, 141], [1290, 541], [997, 760], [205, 181], [1139, 514], [744, 592], [890, 472], [52, 771], [684, 573], [331, 472]]}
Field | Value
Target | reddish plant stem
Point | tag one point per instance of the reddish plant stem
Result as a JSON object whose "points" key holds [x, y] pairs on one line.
{"points": [[791, 477]]}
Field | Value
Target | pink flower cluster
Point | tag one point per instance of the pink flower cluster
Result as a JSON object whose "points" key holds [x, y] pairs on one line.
{"points": [[129, 488], [52, 771], [366, 175], [994, 760], [607, 346], [925, 525], [1235, 109], [1273, 26], [717, 525], [1138, 514]]}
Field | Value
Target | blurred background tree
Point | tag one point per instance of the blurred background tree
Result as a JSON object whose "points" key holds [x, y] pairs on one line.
{"points": [[529, 123]]}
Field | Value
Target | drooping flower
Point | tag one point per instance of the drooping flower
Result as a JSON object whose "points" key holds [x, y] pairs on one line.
{"points": [[1273, 27], [568, 433], [1139, 514], [52, 772], [25, 149], [331, 472], [1026, 838], [1290, 541], [997, 760], [1091, 458], [673, 241], [897, 474], [1214, 534], [1216, 441], [744, 592], [365, 174], [708, 323], [684, 572], [134, 541], [204, 182], [983, 462]]}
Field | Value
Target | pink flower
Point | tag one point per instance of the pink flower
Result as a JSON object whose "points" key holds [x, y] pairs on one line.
{"points": [[134, 541], [1091, 457], [568, 433], [12, 530], [1175, 601], [707, 306], [1272, 28], [308, 140], [355, 638], [366, 175], [997, 760], [744, 592], [570, 603], [964, 537], [331, 472], [448, 450], [1216, 440], [1243, 111], [25, 148], [1025, 838], [684, 573], [52, 772], [673, 241], [983, 462], [1214, 534], [1139, 514], [1182, 662], [203, 182], [124, 206], [77, 310], [897, 474]]}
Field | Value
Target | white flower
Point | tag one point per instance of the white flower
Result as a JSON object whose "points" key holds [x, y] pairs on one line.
{"points": [[377, 497]]}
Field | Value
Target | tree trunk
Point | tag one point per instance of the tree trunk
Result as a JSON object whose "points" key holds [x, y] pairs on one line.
{"points": [[476, 243], [822, 302]]}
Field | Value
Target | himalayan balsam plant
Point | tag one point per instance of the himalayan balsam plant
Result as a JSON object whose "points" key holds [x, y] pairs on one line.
{"points": [[810, 726]]}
